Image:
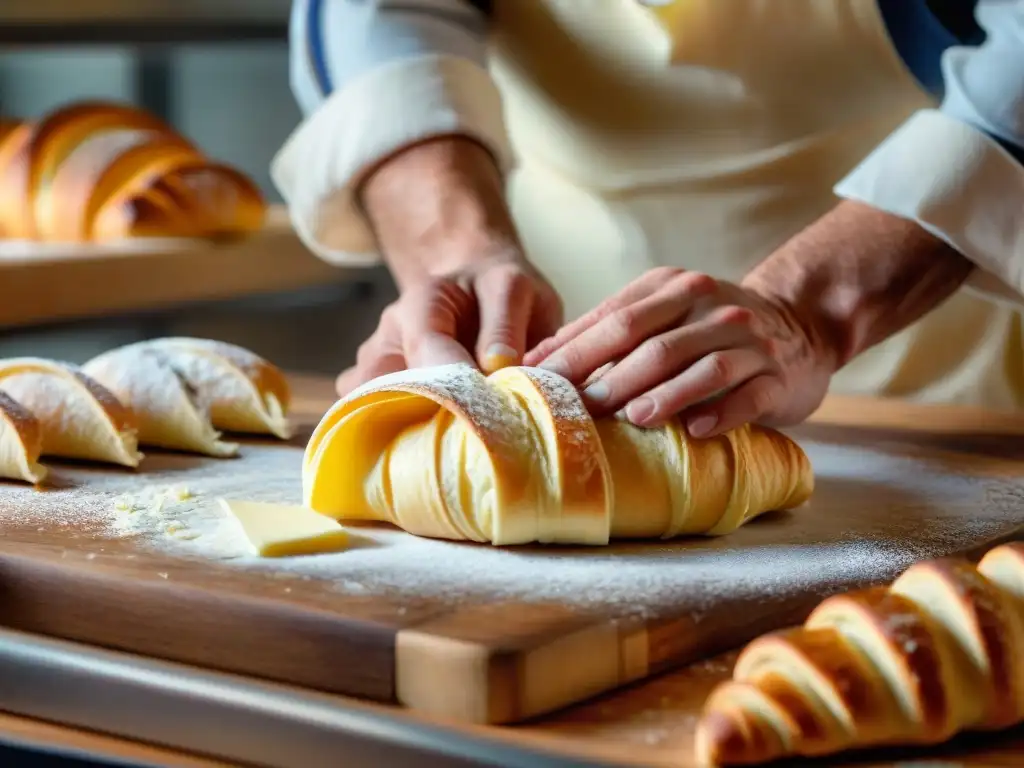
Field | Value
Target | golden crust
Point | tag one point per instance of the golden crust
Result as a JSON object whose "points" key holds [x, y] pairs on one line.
{"points": [[146, 181], [117, 181], [985, 621], [935, 654], [14, 166]]}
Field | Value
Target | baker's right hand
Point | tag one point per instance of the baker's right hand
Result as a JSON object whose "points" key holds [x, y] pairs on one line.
{"points": [[487, 314], [467, 293]]}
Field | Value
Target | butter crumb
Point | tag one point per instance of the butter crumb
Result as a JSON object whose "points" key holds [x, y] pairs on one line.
{"points": [[181, 494]]}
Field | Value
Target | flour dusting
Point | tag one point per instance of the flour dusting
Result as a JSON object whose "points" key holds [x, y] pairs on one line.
{"points": [[872, 515]]}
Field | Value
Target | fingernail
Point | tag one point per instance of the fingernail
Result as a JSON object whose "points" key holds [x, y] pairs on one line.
{"points": [[555, 366], [640, 409], [597, 392], [500, 356], [702, 425]]}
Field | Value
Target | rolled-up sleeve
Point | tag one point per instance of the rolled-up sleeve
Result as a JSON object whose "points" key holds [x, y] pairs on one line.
{"points": [[958, 170], [373, 77]]}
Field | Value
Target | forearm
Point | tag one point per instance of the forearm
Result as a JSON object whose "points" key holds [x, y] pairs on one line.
{"points": [[857, 276], [958, 171], [438, 206], [375, 80]]}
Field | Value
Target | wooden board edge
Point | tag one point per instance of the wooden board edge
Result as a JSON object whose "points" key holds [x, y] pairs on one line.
{"points": [[246, 635], [474, 681]]}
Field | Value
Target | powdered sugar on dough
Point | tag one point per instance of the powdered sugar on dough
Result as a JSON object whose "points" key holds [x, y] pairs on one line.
{"points": [[844, 538]]}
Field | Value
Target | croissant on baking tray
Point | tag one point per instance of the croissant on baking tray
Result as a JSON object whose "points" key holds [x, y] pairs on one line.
{"points": [[939, 652], [515, 458], [96, 171]]}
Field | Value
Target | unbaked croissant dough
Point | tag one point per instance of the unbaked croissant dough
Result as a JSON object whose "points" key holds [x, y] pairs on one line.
{"points": [[184, 390], [21, 442], [939, 652], [78, 417], [515, 458]]}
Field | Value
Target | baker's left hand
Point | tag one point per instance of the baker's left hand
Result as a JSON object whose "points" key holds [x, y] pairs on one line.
{"points": [[675, 342]]}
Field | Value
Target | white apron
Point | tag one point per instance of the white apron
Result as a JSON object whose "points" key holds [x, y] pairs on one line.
{"points": [[704, 136]]}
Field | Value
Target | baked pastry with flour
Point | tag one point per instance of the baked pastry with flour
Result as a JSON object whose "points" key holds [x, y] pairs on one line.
{"points": [[939, 652], [183, 391], [514, 458], [77, 417]]}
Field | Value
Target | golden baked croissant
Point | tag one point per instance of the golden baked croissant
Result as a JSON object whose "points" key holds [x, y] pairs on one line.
{"points": [[95, 171], [939, 652], [514, 458]]}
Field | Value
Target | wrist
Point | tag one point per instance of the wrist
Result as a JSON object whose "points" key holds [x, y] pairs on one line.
{"points": [[857, 276], [439, 207]]}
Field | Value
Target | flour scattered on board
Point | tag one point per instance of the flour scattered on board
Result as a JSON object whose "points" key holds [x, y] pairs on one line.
{"points": [[840, 540]]}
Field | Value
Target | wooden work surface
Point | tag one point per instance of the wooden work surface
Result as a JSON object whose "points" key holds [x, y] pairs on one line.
{"points": [[45, 283], [252, 621]]}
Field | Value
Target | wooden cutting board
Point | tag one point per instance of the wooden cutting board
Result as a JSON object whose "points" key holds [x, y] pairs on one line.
{"points": [[464, 631]]}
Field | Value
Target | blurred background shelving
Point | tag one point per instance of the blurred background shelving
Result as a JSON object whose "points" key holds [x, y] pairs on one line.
{"points": [[218, 71], [142, 21]]}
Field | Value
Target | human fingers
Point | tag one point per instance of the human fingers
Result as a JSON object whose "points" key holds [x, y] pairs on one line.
{"points": [[358, 375], [429, 320], [378, 355], [745, 404], [712, 375], [642, 287], [546, 318], [619, 333], [505, 296], [664, 356]]}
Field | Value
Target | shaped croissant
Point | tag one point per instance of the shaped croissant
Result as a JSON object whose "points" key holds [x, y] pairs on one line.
{"points": [[184, 390], [939, 652], [21, 442], [95, 171], [515, 458]]}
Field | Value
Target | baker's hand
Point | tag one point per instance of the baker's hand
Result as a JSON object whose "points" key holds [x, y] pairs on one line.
{"points": [[677, 342], [487, 314]]}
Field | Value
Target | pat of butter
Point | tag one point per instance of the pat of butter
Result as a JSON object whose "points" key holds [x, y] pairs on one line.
{"points": [[282, 530]]}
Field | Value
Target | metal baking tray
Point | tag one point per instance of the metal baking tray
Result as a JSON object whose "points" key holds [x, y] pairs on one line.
{"points": [[232, 718]]}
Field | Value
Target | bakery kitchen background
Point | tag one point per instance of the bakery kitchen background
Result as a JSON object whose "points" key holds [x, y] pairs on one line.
{"points": [[232, 99]]}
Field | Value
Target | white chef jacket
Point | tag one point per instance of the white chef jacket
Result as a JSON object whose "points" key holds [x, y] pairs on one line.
{"points": [[700, 133]]}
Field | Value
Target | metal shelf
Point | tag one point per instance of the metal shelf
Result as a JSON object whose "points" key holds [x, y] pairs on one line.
{"points": [[141, 22]]}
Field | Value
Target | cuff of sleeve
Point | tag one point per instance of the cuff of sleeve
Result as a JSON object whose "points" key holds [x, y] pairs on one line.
{"points": [[958, 184], [321, 164]]}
